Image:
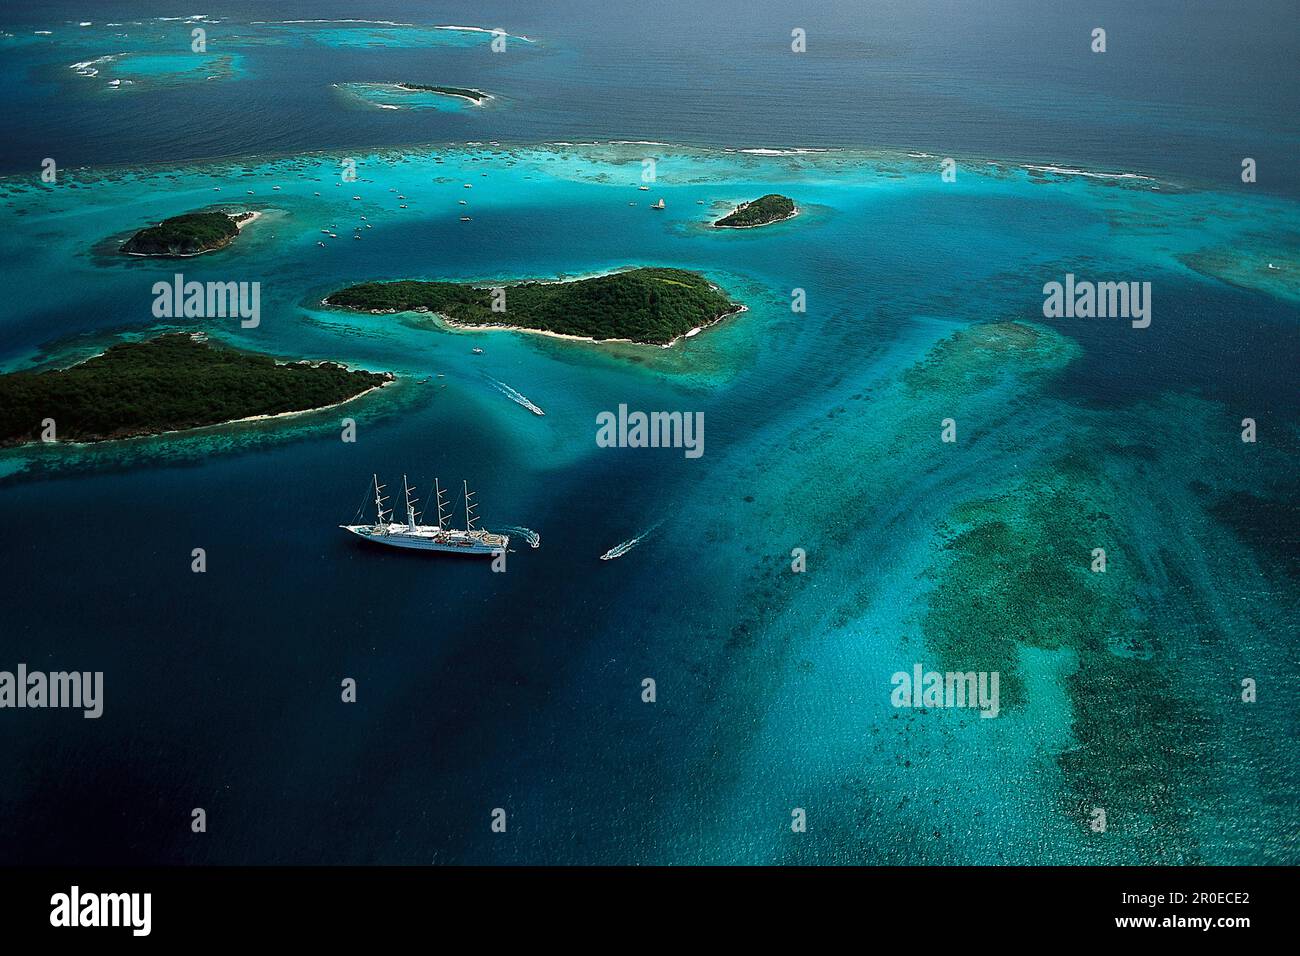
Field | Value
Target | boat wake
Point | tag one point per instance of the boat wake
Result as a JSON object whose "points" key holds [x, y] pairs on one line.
{"points": [[528, 534], [516, 397], [621, 549]]}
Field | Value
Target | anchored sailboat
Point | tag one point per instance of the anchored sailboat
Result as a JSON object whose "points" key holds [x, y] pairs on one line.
{"points": [[424, 537]]}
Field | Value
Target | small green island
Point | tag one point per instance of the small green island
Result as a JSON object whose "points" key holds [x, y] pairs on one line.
{"points": [[169, 383], [654, 306], [760, 212], [477, 97], [191, 234]]}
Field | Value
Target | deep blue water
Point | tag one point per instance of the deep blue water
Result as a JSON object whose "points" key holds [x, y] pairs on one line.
{"points": [[1184, 88], [522, 690]]}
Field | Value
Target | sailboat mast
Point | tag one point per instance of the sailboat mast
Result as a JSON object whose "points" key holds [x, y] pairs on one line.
{"points": [[379, 501], [444, 518], [410, 505], [469, 508]]}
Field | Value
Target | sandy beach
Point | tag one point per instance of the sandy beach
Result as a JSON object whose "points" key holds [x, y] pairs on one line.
{"points": [[455, 326]]}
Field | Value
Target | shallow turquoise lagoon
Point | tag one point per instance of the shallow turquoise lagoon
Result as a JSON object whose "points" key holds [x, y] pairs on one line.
{"points": [[923, 302]]}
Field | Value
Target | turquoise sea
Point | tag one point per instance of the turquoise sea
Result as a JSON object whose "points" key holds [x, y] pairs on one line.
{"points": [[1120, 691]]}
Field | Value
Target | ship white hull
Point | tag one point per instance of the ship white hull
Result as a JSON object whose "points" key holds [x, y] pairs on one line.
{"points": [[430, 539]]}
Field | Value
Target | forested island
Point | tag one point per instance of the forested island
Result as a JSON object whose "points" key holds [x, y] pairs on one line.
{"points": [[191, 234], [648, 305], [475, 96], [169, 383], [761, 211]]}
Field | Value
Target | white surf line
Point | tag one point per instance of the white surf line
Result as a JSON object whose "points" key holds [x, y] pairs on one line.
{"points": [[1069, 171], [484, 30], [274, 23]]}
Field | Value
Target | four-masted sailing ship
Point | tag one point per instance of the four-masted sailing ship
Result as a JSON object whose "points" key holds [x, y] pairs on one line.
{"points": [[428, 537]]}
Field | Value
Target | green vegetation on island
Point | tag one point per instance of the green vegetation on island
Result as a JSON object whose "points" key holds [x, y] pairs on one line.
{"points": [[187, 235], [172, 382], [760, 212], [648, 305], [477, 96]]}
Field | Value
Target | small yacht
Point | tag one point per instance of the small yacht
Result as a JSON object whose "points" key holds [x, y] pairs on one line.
{"points": [[465, 219], [657, 205], [478, 351], [643, 188]]}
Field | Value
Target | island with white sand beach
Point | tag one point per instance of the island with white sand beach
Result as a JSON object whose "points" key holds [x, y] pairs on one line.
{"points": [[762, 211], [477, 97], [170, 383], [651, 306], [190, 234]]}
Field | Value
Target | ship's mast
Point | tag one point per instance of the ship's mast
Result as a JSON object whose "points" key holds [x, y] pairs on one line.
{"points": [[379, 503], [444, 520], [411, 513], [470, 517]]}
